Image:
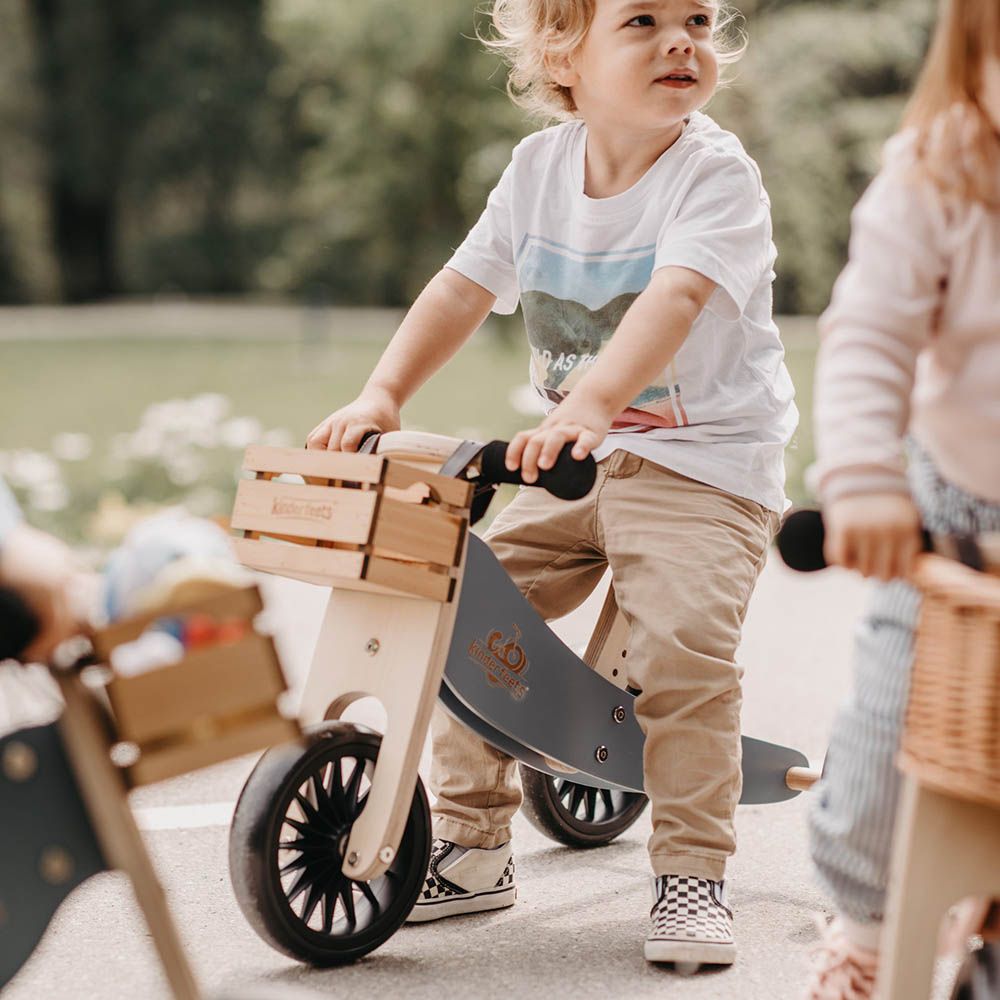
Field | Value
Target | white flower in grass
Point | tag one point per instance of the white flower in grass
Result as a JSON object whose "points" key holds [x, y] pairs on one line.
{"points": [[210, 407], [29, 469], [205, 435], [184, 468], [72, 446], [240, 432], [279, 437], [526, 400], [49, 497], [204, 501], [147, 442]]}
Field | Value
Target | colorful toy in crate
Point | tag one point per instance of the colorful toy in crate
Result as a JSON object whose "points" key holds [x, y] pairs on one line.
{"points": [[182, 684]]}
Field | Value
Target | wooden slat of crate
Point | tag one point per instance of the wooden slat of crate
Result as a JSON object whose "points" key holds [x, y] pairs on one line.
{"points": [[330, 513], [244, 603], [411, 578], [319, 564], [420, 532], [214, 681], [233, 738], [348, 466], [452, 491]]}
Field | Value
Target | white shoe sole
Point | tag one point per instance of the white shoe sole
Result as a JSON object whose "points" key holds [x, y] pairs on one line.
{"points": [[689, 953], [453, 906]]}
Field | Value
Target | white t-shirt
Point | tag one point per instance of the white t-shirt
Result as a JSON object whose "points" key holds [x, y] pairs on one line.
{"points": [[723, 411]]}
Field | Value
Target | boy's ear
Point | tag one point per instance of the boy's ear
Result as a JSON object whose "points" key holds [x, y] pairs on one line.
{"points": [[561, 69]]}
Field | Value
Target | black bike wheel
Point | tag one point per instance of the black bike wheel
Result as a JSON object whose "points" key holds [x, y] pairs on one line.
{"points": [[577, 815], [286, 845]]}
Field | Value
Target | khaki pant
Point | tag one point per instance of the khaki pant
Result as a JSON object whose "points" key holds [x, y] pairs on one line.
{"points": [[684, 559]]}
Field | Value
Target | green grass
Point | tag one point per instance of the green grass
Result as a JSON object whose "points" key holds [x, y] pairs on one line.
{"points": [[102, 386]]}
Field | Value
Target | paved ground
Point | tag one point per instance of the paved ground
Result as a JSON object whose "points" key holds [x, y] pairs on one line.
{"points": [[578, 926]]}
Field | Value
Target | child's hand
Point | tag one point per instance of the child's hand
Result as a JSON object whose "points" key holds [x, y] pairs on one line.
{"points": [[343, 430], [572, 420], [45, 573], [878, 534]]}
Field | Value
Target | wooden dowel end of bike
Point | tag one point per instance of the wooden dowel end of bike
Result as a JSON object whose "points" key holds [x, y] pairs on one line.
{"points": [[801, 779]]}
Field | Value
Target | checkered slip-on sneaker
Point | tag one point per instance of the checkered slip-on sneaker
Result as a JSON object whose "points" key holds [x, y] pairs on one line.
{"points": [[465, 880], [691, 923]]}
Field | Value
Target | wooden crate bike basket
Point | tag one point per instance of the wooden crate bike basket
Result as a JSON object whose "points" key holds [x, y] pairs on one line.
{"points": [[342, 519], [951, 741], [218, 702]]}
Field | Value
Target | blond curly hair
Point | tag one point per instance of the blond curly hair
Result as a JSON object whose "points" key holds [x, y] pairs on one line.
{"points": [[526, 31]]}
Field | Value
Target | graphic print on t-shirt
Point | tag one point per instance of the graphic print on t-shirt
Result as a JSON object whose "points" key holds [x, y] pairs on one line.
{"points": [[573, 302]]}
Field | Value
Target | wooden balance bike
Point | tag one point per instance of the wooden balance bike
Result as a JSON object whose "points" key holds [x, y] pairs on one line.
{"points": [[64, 786], [329, 847]]}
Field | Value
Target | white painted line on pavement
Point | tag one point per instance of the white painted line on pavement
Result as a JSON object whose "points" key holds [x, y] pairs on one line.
{"points": [[185, 817]]}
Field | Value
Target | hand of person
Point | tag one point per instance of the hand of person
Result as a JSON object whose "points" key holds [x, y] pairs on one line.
{"points": [[373, 410], [574, 419], [876, 534], [44, 572]]}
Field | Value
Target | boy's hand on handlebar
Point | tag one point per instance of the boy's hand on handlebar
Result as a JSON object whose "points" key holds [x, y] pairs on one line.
{"points": [[539, 448], [343, 430], [877, 534]]}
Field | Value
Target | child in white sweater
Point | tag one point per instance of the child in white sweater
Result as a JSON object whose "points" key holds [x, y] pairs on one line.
{"points": [[910, 361]]}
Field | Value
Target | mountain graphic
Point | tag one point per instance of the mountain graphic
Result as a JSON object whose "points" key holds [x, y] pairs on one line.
{"points": [[562, 328]]}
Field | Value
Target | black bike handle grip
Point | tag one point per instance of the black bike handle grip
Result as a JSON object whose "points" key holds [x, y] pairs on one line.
{"points": [[568, 479], [18, 625], [801, 538]]}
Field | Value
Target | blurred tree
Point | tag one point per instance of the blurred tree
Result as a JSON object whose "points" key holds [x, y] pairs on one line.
{"points": [[820, 89], [407, 128], [145, 100]]}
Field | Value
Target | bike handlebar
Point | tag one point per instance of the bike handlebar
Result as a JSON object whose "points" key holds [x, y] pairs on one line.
{"points": [[802, 534], [568, 479]]}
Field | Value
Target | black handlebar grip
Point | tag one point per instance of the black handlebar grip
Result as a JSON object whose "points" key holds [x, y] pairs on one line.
{"points": [[18, 625], [801, 538], [568, 479]]}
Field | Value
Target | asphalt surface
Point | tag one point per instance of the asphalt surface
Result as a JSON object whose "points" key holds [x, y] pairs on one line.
{"points": [[581, 917]]}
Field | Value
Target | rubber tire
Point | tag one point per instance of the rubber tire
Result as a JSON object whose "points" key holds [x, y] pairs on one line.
{"points": [[540, 809], [252, 848]]}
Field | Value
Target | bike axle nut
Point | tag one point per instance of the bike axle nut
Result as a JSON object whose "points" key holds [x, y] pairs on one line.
{"points": [[601, 753], [618, 714], [352, 858], [372, 647], [386, 855]]}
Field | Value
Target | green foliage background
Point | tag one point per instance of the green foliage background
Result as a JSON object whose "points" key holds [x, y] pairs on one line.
{"points": [[337, 152]]}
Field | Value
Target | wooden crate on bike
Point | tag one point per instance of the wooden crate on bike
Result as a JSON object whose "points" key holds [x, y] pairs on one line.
{"points": [[338, 518], [218, 702]]}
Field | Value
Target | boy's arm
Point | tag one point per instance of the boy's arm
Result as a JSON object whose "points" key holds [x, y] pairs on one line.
{"points": [[445, 314], [649, 335]]}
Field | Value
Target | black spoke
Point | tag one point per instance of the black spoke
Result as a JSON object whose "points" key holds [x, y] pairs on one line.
{"points": [[310, 811], [354, 786], [347, 898], [329, 905], [299, 886], [312, 901], [369, 893], [337, 799], [591, 799], [293, 865], [320, 793], [578, 794], [609, 803]]}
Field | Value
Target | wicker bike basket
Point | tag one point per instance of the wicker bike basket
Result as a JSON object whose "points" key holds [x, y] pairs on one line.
{"points": [[951, 741]]}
